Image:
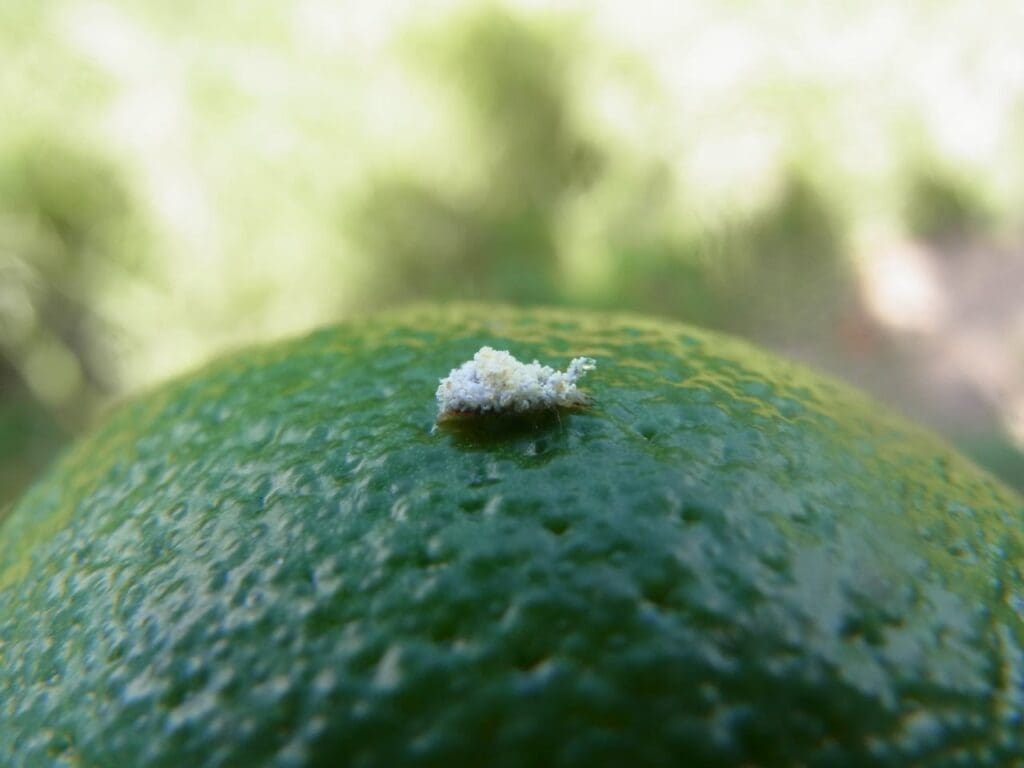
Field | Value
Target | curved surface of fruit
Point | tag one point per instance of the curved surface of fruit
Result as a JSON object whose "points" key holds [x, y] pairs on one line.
{"points": [[726, 560]]}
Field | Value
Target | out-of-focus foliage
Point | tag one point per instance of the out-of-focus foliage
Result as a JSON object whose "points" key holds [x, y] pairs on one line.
{"points": [[64, 218], [941, 207], [28, 437], [177, 181], [498, 238]]}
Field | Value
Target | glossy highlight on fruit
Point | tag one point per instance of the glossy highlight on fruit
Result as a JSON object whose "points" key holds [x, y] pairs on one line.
{"points": [[724, 560]]}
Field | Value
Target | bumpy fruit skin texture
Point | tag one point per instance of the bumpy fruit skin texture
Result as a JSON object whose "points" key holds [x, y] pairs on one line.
{"points": [[724, 561]]}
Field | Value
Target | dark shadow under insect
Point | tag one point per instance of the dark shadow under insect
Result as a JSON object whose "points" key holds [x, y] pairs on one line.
{"points": [[491, 430]]}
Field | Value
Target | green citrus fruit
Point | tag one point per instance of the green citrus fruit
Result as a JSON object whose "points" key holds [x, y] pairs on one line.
{"points": [[722, 560]]}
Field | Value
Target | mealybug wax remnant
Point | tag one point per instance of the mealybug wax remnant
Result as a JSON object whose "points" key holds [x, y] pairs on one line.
{"points": [[494, 381]]}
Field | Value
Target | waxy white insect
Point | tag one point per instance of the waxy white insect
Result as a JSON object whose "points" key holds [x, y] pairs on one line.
{"points": [[495, 382]]}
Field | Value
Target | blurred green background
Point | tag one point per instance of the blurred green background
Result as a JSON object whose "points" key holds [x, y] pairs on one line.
{"points": [[843, 183]]}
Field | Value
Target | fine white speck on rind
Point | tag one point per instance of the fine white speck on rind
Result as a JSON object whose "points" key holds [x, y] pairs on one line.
{"points": [[495, 382]]}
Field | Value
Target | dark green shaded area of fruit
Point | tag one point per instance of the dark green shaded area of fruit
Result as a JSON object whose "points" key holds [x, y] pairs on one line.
{"points": [[724, 561]]}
